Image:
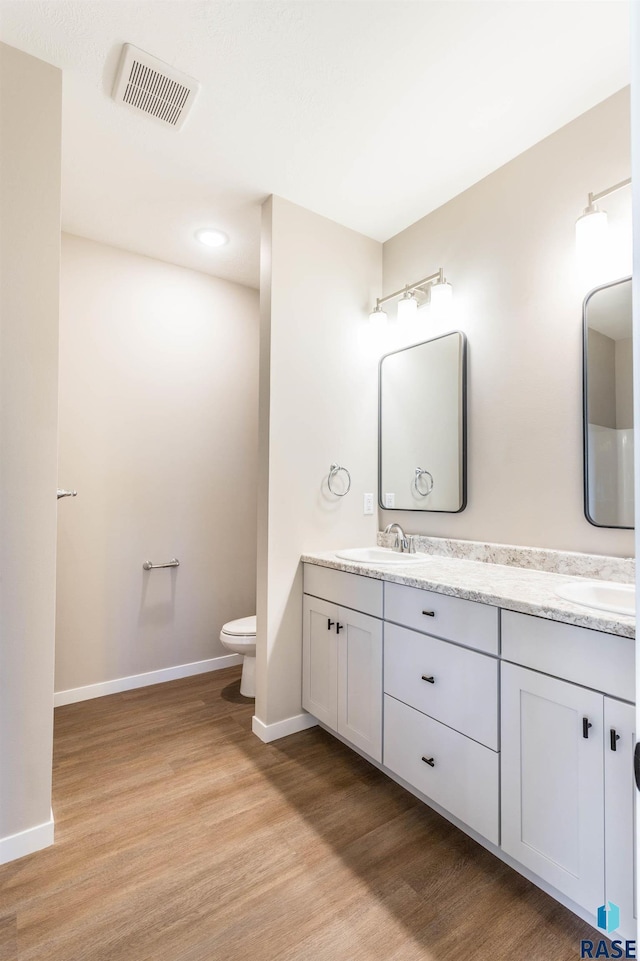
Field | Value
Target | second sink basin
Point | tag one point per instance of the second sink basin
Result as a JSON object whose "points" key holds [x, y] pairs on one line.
{"points": [[601, 595], [379, 555]]}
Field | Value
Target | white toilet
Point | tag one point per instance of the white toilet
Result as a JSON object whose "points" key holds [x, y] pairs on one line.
{"points": [[240, 637]]}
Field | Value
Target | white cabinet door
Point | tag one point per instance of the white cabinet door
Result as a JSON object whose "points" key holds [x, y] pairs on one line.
{"points": [[342, 672], [619, 807], [360, 681], [553, 782], [320, 660]]}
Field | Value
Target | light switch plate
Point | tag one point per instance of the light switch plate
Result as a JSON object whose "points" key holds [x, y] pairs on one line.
{"points": [[367, 504]]}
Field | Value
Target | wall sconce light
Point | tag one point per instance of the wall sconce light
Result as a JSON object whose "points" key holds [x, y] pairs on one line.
{"points": [[441, 298], [433, 288], [591, 236], [378, 316], [407, 307]]}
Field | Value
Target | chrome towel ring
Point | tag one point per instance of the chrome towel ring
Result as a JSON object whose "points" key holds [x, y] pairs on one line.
{"points": [[416, 482], [333, 471]]}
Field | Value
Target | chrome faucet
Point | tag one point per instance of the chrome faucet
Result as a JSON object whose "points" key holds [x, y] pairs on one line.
{"points": [[401, 543]]}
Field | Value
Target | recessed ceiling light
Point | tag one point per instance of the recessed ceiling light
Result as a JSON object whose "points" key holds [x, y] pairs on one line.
{"points": [[211, 237]]}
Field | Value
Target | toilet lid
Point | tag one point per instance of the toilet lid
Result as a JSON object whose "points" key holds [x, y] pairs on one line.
{"points": [[243, 626]]}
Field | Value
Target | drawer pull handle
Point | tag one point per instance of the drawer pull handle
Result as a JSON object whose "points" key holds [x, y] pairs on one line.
{"points": [[330, 624], [339, 627], [430, 761], [429, 613], [586, 724], [614, 739], [429, 680]]}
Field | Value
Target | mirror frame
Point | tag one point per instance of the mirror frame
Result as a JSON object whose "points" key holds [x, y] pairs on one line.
{"points": [[585, 406], [415, 510]]}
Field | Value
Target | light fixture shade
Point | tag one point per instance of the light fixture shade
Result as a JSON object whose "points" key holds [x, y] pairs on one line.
{"points": [[441, 299], [407, 308], [592, 250], [378, 317]]}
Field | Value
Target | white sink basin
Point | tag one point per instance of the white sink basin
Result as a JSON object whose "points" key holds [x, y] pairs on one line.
{"points": [[379, 555], [601, 595]]}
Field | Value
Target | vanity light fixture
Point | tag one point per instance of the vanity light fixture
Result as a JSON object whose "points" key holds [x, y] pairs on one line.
{"points": [[211, 237], [412, 296], [592, 230]]}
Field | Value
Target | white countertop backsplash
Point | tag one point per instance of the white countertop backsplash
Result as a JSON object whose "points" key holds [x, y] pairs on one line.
{"points": [[503, 576]]}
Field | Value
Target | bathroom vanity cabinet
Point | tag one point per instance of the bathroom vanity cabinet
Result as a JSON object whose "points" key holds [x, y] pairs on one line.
{"points": [[518, 728], [568, 790], [342, 657]]}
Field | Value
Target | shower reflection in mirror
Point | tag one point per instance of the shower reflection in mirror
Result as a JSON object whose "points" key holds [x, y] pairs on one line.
{"points": [[608, 406]]}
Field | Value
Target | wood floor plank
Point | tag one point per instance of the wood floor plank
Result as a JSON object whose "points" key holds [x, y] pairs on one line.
{"points": [[181, 837], [8, 938]]}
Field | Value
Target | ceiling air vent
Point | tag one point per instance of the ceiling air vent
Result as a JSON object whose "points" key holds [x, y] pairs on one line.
{"points": [[147, 85]]}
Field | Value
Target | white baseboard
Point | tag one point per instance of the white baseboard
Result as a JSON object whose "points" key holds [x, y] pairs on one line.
{"points": [[290, 725], [26, 842], [144, 680]]}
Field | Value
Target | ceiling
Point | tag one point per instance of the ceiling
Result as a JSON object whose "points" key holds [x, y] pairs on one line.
{"points": [[369, 112]]}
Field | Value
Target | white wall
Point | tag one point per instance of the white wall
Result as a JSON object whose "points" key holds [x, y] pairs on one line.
{"points": [[318, 397], [158, 433], [30, 126], [507, 246]]}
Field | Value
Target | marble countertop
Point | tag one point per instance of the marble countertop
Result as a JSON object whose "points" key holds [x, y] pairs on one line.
{"points": [[513, 588]]}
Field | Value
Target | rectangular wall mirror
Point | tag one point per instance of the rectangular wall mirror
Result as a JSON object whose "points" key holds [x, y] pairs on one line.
{"points": [[608, 406], [422, 425]]}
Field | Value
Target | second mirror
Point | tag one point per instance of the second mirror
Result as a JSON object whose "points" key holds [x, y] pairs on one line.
{"points": [[422, 421]]}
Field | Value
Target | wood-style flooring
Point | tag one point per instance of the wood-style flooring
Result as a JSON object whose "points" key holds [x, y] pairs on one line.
{"points": [[182, 837]]}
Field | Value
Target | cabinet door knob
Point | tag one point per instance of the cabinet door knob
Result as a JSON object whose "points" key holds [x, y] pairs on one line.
{"points": [[430, 761], [430, 679], [614, 739], [586, 724], [429, 613], [330, 624], [339, 627]]}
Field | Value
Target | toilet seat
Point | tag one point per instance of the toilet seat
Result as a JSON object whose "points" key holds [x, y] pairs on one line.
{"points": [[242, 627]]}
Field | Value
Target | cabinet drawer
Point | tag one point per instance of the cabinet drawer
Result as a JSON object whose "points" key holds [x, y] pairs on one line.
{"points": [[349, 590], [604, 662], [463, 692], [455, 619], [464, 777]]}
